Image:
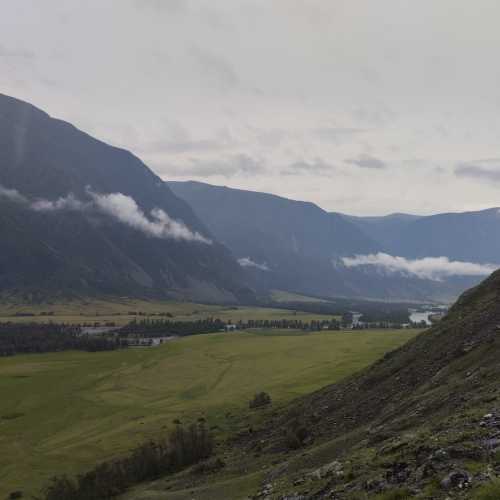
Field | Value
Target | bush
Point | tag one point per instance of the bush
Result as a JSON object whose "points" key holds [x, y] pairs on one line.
{"points": [[296, 433], [260, 400], [490, 491], [209, 466]]}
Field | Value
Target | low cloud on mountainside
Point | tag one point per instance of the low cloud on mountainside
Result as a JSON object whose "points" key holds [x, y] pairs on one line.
{"points": [[64, 203], [248, 262], [433, 268], [117, 205], [12, 195], [125, 209]]}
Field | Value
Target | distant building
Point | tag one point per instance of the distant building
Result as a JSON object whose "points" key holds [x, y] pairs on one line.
{"points": [[356, 319]]}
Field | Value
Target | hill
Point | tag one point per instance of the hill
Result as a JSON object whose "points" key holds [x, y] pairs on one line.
{"points": [[85, 217]]}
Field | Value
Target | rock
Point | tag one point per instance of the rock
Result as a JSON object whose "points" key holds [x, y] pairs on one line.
{"points": [[491, 444], [456, 479], [376, 485], [490, 420], [424, 471], [332, 469], [439, 455], [398, 472], [277, 472]]}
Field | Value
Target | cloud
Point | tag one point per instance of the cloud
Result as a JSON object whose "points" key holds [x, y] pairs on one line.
{"points": [[488, 170], [183, 146], [248, 262], [117, 205], [337, 134], [171, 6], [215, 69], [64, 203], [367, 161], [8, 53], [125, 209], [176, 139], [12, 195], [229, 167], [316, 167], [432, 268]]}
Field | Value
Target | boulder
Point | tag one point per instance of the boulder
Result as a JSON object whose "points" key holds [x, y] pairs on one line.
{"points": [[332, 469], [456, 479]]}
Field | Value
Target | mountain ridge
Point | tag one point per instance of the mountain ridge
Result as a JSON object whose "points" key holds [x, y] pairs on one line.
{"points": [[45, 160]]}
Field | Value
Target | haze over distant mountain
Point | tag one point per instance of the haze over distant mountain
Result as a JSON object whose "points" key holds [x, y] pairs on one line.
{"points": [[298, 246], [81, 216]]}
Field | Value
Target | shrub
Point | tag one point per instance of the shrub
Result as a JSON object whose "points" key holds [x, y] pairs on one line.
{"points": [[260, 400], [296, 433], [209, 466]]}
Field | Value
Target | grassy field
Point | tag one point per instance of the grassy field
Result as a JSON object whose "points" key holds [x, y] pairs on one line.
{"points": [[282, 296], [63, 412], [118, 311]]}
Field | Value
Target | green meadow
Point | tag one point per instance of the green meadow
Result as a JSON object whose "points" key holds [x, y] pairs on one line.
{"points": [[64, 412], [120, 311]]}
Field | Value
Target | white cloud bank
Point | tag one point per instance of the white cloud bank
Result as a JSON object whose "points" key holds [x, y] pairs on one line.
{"points": [[12, 195], [117, 205], [433, 268], [68, 202], [125, 209], [248, 262]]}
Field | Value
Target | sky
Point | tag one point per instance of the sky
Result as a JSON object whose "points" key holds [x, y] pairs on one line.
{"points": [[361, 107]]}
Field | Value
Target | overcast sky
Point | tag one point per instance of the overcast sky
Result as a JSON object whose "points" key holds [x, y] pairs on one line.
{"points": [[366, 107]]}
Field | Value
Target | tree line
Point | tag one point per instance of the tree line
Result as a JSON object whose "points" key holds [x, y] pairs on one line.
{"points": [[19, 338], [162, 327], [151, 460]]}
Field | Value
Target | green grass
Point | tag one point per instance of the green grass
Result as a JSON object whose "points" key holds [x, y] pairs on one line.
{"points": [[282, 296], [490, 491], [63, 412], [117, 310]]}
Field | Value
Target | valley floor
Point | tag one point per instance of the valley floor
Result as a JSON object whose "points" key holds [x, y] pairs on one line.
{"points": [[65, 412]]}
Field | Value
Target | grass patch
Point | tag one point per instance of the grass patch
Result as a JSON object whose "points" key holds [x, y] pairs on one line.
{"points": [[490, 491], [81, 408]]}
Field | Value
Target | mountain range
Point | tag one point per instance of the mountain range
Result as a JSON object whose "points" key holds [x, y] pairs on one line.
{"points": [[298, 246], [83, 217]]}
